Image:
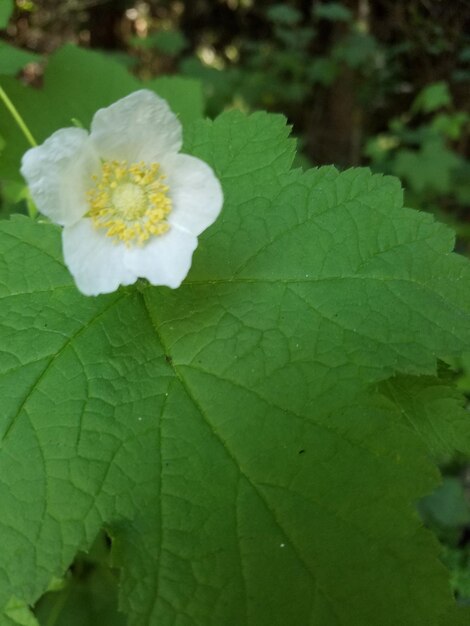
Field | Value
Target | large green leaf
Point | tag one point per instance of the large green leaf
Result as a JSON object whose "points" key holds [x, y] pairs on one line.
{"points": [[229, 434]]}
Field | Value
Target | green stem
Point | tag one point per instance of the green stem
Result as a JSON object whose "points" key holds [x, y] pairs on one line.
{"points": [[17, 117], [32, 210]]}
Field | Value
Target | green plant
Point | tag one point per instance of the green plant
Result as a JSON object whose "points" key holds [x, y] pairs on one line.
{"points": [[253, 443]]}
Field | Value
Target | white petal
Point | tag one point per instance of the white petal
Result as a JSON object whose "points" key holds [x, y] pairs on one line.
{"points": [[165, 259], [195, 192], [139, 127], [95, 261], [59, 172]]}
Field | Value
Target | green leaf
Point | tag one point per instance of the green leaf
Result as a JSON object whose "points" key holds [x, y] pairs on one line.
{"points": [[15, 197], [452, 125], [16, 613], [282, 14], [323, 70], [432, 97], [12, 59], [184, 93], [429, 169], [447, 506], [457, 616], [464, 379], [435, 410], [171, 42], [333, 11], [63, 98], [6, 9], [357, 49], [229, 434]]}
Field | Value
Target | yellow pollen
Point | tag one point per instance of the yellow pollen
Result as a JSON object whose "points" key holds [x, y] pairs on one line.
{"points": [[130, 201]]}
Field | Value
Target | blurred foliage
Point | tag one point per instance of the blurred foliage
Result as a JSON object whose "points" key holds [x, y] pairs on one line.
{"points": [[384, 83], [380, 83], [447, 513], [422, 148]]}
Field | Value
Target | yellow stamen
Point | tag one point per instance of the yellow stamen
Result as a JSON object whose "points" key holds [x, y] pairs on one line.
{"points": [[130, 201]]}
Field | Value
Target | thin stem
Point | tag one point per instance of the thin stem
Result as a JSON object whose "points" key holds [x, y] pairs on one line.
{"points": [[32, 210], [17, 117]]}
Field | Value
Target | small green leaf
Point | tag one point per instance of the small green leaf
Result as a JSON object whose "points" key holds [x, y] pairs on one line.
{"points": [[448, 505], [464, 55], [171, 42], [356, 50], [284, 14], [333, 11], [452, 125], [428, 169], [323, 70], [432, 97]]}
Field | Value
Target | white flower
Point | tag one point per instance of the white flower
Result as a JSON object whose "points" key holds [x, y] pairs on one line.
{"points": [[130, 204]]}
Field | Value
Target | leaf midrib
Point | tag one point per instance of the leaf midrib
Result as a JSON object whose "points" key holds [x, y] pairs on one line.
{"points": [[306, 566]]}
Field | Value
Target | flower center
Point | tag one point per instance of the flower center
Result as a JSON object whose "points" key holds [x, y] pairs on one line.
{"points": [[130, 201]]}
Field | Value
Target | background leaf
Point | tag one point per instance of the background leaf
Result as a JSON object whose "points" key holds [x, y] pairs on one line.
{"points": [[12, 60], [63, 98], [334, 11], [6, 9], [433, 97]]}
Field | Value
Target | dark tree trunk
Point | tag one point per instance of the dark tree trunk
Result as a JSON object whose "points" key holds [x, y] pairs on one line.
{"points": [[104, 20]]}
